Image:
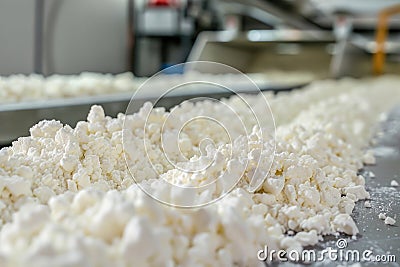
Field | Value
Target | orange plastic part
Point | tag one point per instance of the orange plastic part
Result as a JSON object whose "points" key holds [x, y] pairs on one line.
{"points": [[381, 33]]}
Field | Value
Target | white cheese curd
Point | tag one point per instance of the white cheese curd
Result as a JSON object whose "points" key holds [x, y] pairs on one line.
{"points": [[33, 87], [394, 183], [390, 220], [68, 198], [19, 87]]}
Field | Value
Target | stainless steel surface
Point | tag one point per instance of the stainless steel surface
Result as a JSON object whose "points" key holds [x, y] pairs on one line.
{"points": [[358, 57], [288, 17], [364, 11], [261, 51], [367, 42], [315, 52], [384, 198], [231, 8]]}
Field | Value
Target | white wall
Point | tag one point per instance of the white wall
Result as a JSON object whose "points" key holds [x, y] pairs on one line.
{"points": [[79, 35]]}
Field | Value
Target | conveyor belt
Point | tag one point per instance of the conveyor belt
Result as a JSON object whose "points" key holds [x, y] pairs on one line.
{"points": [[374, 234]]}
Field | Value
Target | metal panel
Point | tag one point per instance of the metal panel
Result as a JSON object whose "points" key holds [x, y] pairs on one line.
{"points": [[261, 51], [16, 41], [85, 35]]}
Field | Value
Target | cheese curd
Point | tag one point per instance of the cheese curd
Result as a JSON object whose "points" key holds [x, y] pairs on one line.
{"points": [[36, 87], [19, 87], [74, 196]]}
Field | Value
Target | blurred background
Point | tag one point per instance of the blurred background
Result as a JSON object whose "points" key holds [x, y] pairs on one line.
{"points": [[145, 36], [59, 57]]}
